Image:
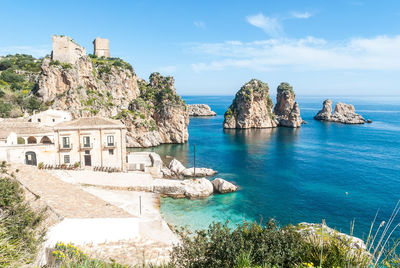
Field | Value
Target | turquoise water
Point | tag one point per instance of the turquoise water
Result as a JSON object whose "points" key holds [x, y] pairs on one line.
{"points": [[295, 175]]}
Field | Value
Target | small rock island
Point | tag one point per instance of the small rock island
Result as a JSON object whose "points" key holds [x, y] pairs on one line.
{"points": [[344, 113], [200, 110], [253, 107], [287, 109]]}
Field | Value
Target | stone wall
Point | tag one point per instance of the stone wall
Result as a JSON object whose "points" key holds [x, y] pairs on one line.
{"points": [[65, 50]]}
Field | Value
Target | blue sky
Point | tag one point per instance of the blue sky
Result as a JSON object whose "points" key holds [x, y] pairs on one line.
{"points": [[213, 47]]}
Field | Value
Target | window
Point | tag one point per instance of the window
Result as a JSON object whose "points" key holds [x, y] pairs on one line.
{"points": [[38, 120], [110, 140], [54, 120], [67, 159], [65, 142], [86, 142], [111, 151], [87, 152]]}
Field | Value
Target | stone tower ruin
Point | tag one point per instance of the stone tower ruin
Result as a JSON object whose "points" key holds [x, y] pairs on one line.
{"points": [[101, 47], [66, 50]]}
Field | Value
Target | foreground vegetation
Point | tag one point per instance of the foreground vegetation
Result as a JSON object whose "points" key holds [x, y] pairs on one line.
{"points": [[249, 246], [20, 237]]}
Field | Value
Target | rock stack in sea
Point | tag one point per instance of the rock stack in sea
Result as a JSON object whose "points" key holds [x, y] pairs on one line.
{"points": [[251, 108], [287, 110], [200, 110], [343, 113]]}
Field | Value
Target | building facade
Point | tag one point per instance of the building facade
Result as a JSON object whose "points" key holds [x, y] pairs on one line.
{"points": [[89, 142]]}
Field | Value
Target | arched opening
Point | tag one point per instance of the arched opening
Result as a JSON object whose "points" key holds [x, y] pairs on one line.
{"points": [[45, 140], [32, 140], [30, 158]]}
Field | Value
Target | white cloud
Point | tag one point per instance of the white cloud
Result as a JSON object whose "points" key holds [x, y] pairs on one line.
{"points": [[269, 25], [199, 24], [301, 15], [39, 51], [378, 53], [167, 70]]}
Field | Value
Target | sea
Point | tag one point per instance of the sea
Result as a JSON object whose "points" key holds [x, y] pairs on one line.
{"points": [[321, 171]]}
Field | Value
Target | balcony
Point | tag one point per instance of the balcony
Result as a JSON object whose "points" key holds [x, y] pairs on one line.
{"points": [[65, 147], [86, 146], [109, 145]]}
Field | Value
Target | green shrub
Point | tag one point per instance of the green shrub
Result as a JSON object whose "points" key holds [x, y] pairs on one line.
{"points": [[5, 64], [19, 235], [5, 109], [20, 140], [221, 246], [11, 77], [67, 255]]}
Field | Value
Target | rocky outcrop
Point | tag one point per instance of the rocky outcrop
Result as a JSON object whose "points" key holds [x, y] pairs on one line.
{"points": [[326, 112], [176, 167], [177, 170], [222, 186], [200, 172], [251, 108], [343, 113], [313, 233], [191, 188], [108, 87], [287, 110], [200, 110]]}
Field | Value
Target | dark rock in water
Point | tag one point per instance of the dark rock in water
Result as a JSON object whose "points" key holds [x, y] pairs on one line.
{"points": [[287, 110], [200, 110], [251, 108], [344, 113], [369, 121]]}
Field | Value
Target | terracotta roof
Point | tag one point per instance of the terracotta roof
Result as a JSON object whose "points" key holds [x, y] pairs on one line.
{"points": [[21, 127], [90, 122]]}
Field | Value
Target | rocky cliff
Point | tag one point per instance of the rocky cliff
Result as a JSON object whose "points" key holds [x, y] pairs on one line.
{"points": [[287, 110], [152, 112], [251, 108], [343, 113]]}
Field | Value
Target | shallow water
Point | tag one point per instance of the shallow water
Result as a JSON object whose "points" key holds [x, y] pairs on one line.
{"points": [[320, 171]]}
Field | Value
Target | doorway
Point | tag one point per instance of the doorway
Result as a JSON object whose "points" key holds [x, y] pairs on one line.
{"points": [[88, 160], [30, 158]]}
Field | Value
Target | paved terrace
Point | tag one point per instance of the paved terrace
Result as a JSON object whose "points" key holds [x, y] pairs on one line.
{"points": [[66, 200]]}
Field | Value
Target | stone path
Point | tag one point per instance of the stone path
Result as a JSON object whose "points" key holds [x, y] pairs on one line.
{"points": [[130, 252], [65, 199]]}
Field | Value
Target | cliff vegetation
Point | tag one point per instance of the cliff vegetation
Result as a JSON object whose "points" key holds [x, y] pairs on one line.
{"points": [[19, 84]]}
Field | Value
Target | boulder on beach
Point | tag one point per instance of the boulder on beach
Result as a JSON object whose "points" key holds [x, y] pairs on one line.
{"points": [[222, 186], [200, 110], [343, 113], [176, 166], [200, 172], [190, 188]]}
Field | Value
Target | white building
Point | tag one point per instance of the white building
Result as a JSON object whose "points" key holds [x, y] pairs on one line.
{"points": [[50, 117], [92, 141]]}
